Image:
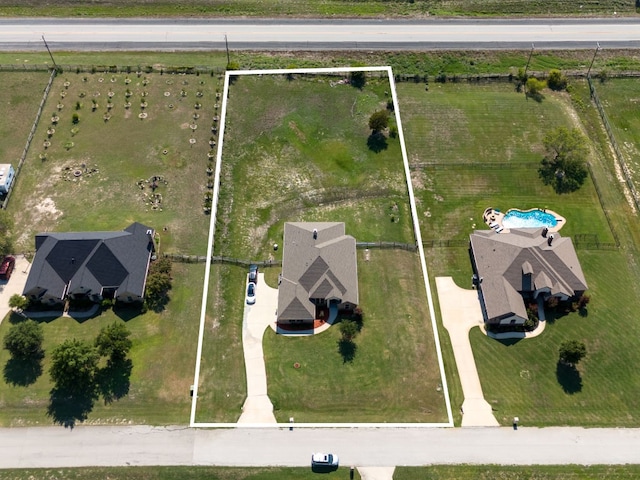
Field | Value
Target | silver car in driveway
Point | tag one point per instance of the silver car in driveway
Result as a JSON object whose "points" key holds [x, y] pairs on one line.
{"points": [[251, 293]]}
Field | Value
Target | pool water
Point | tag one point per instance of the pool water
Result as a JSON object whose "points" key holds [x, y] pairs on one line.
{"points": [[530, 219]]}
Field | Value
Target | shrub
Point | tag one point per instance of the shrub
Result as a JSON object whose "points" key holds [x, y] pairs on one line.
{"points": [[535, 86], [572, 351], [557, 81], [24, 340], [379, 120], [75, 118]]}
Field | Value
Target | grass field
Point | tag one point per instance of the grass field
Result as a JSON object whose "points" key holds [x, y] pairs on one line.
{"points": [[317, 8], [114, 155], [621, 101], [157, 394], [466, 180], [20, 94], [435, 472], [302, 156]]}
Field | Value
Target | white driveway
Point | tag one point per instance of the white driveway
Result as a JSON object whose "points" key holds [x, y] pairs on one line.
{"points": [[257, 408], [460, 309], [15, 284]]}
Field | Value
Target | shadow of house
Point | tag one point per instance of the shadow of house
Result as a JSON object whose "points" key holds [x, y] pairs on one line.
{"points": [[519, 266], [319, 270], [91, 266]]}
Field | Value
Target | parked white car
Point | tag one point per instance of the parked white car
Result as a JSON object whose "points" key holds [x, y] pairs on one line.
{"points": [[324, 460], [251, 293]]}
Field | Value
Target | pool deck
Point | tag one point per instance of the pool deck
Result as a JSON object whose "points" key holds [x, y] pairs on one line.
{"points": [[493, 217]]}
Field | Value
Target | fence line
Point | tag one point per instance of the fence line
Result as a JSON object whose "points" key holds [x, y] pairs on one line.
{"points": [[32, 132], [617, 152], [388, 245]]}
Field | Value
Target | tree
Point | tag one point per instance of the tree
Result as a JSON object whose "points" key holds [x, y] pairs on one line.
{"points": [[113, 341], [358, 79], [572, 351], [73, 367], [535, 86], [6, 226], [18, 302], [158, 283], [348, 329], [379, 120], [24, 340], [556, 81], [564, 166]]}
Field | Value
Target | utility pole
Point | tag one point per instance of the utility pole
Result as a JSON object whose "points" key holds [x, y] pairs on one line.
{"points": [[226, 43], [593, 59], [47, 46], [529, 59]]}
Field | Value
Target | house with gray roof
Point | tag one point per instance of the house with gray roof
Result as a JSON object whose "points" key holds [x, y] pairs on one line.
{"points": [[319, 269], [523, 264], [91, 265]]}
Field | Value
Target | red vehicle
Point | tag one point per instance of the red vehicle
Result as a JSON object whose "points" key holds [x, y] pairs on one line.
{"points": [[6, 268]]}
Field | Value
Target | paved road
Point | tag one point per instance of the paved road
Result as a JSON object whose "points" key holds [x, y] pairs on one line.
{"points": [[140, 445], [169, 34]]}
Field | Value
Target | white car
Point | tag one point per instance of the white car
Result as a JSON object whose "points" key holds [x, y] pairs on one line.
{"points": [[251, 293], [324, 460]]}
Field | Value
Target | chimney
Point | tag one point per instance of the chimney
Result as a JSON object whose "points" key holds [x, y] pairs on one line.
{"points": [[315, 233], [550, 239], [545, 230]]}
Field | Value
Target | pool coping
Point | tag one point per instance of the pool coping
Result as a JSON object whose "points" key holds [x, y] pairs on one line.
{"points": [[493, 217]]}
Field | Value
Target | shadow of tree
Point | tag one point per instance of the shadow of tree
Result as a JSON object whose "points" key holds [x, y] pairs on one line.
{"points": [[347, 349], [568, 377], [113, 380], [538, 97], [67, 408], [127, 312], [23, 371], [377, 142]]}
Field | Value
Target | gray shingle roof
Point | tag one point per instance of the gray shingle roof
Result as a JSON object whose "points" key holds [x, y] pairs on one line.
{"points": [[320, 265], [522, 261], [91, 261]]}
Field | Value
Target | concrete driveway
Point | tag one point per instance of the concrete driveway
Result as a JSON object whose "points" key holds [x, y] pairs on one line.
{"points": [[460, 309], [257, 408], [15, 284]]}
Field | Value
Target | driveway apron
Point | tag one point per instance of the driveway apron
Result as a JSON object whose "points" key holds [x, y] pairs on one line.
{"points": [[460, 309]]}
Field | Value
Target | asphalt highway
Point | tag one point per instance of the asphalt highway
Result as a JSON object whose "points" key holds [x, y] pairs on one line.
{"points": [[278, 34]]}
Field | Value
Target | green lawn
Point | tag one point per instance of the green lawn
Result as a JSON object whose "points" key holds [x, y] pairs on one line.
{"points": [[113, 156], [394, 360], [621, 100], [317, 8], [20, 94], [171, 473], [157, 394]]}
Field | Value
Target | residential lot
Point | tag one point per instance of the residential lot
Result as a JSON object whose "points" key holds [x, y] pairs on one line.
{"points": [[303, 156]]}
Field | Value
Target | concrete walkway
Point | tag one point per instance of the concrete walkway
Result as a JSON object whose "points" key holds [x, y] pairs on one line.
{"points": [[460, 309], [376, 473], [15, 284], [257, 408]]}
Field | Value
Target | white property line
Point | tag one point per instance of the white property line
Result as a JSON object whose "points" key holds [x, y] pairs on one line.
{"points": [[418, 236]]}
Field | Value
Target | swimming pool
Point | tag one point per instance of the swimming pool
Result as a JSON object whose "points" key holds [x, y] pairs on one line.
{"points": [[535, 218]]}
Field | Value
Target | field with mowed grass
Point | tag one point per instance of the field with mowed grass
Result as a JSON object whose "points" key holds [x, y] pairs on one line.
{"points": [[112, 149], [163, 360], [473, 147], [303, 155], [316, 8], [620, 98], [20, 96]]}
